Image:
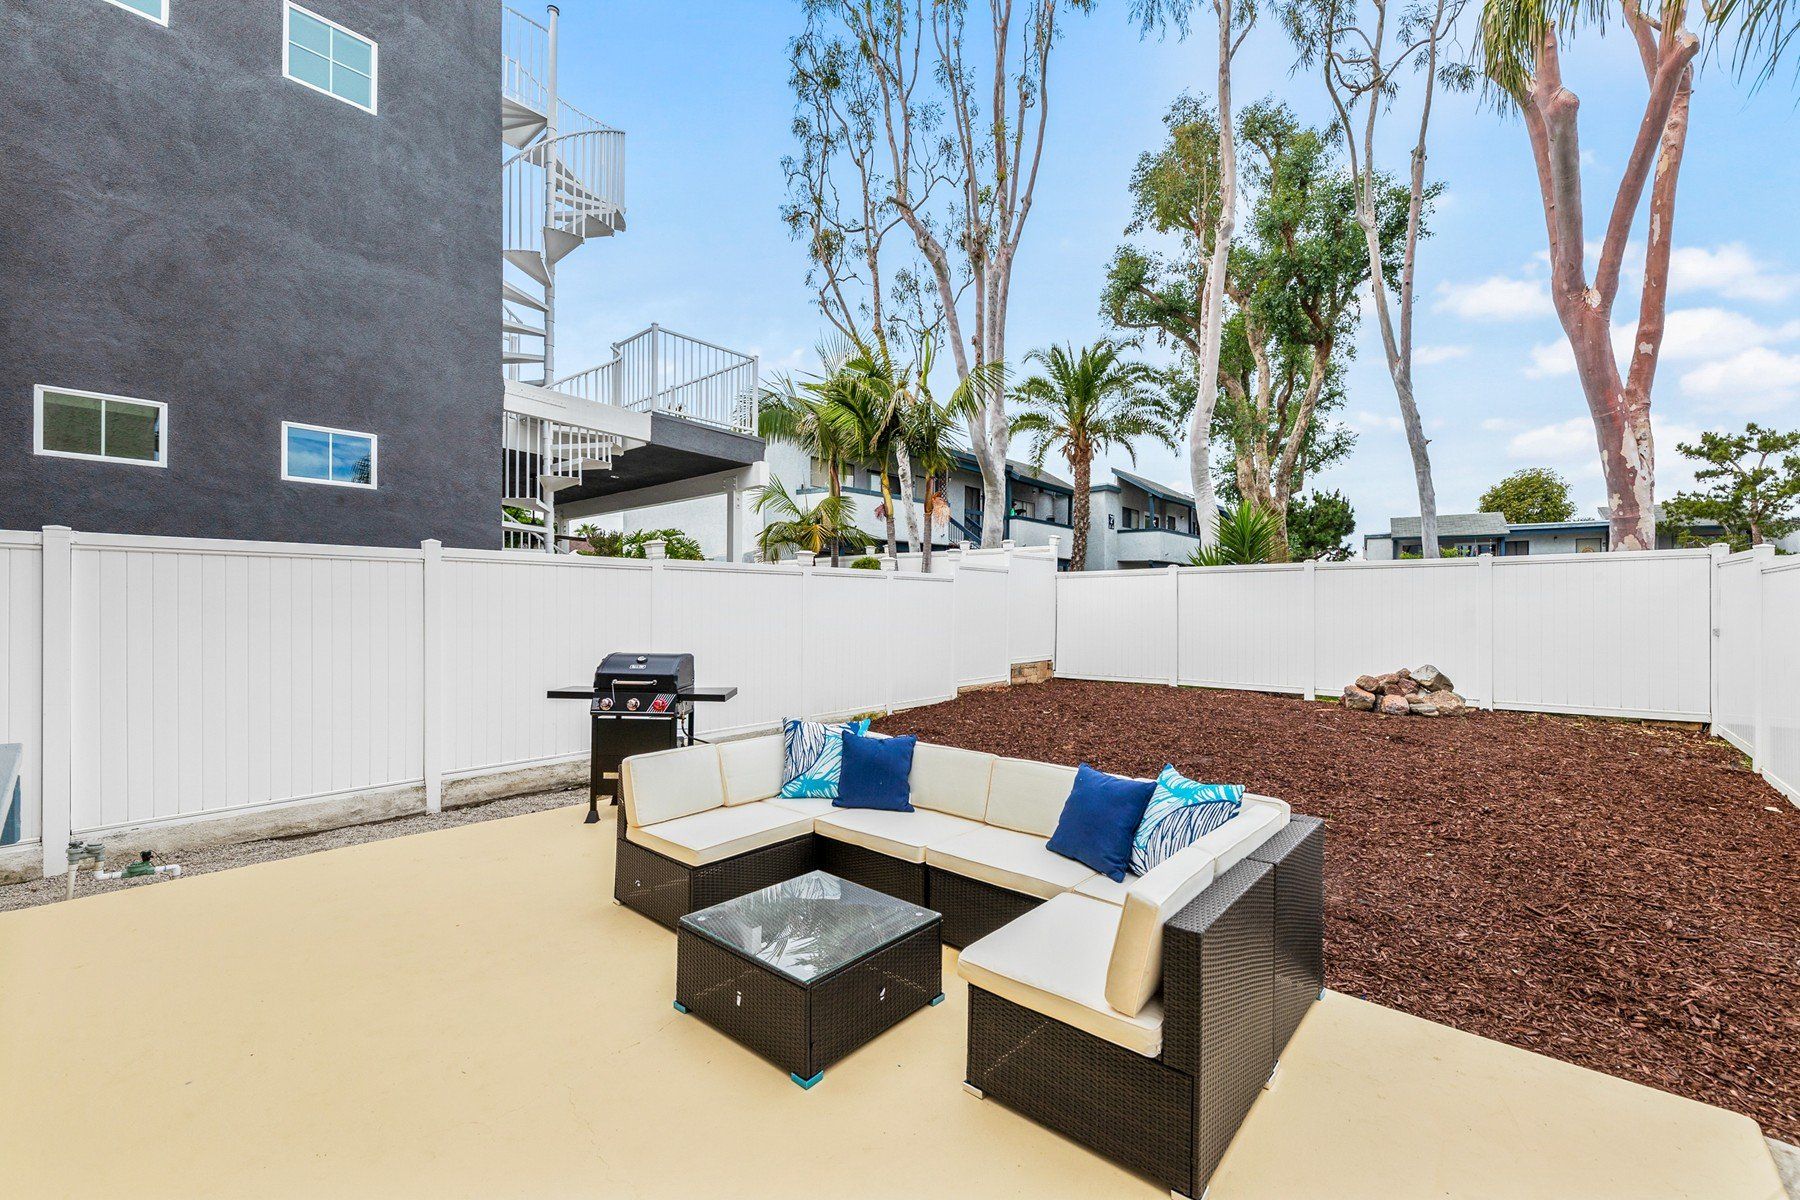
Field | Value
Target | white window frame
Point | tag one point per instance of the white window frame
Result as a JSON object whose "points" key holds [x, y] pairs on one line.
{"points": [[37, 427], [287, 7], [162, 20], [374, 456]]}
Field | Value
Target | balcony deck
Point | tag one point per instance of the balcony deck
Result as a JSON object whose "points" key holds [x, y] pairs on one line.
{"points": [[465, 1013]]}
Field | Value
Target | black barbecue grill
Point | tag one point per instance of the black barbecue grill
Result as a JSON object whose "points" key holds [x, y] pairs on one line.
{"points": [[639, 703]]}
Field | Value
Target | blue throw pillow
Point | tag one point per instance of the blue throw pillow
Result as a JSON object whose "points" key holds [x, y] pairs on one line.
{"points": [[877, 773], [811, 755], [1180, 814], [1099, 820]]}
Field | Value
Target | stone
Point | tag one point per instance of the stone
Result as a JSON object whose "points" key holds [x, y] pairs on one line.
{"points": [[1433, 680], [1394, 706], [1359, 699], [1420, 705], [1449, 704], [1369, 684], [1387, 681], [1406, 687], [1403, 673]]}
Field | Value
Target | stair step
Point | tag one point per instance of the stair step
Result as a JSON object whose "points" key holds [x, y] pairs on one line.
{"points": [[531, 263], [508, 325], [518, 295], [519, 357]]}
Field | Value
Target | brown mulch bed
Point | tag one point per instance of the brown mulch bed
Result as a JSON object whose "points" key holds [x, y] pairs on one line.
{"points": [[1614, 894]]}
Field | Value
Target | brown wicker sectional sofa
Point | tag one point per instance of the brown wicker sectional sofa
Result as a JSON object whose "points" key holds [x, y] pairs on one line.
{"points": [[1139, 1018]]}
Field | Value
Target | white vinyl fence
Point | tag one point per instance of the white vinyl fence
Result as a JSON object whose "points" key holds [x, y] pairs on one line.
{"points": [[156, 680], [1757, 663], [1551, 634]]}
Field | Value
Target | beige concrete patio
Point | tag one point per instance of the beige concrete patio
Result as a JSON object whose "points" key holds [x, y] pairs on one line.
{"points": [[465, 1013]]}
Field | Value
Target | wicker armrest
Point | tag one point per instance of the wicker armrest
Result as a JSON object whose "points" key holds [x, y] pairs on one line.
{"points": [[1218, 973]]}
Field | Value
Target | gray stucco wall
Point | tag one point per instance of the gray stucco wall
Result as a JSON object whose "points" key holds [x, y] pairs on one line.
{"points": [[178, 222]]}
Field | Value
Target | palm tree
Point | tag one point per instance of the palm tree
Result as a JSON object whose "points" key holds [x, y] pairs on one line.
{"points": [[928, 430], [1248, 534], [1083, 403], [867, 400], [797, 415], [795, 526]]}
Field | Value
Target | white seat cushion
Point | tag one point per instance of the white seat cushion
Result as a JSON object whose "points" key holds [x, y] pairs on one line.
{"points": [[1028, 796], [1053, 960], [951, 780], [751, 767], [901, 835], [1006, 858], [809, 806], [1136, 971], [671, 783], [1102, 888], [720, 833]]}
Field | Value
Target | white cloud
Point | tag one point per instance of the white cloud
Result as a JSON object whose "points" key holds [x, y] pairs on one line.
{"points": [[1364, 421], [1562, 442], [1755, 379], [1498, 425], [1689, 335], [1496, 298], [1426, 356], [1731, 270]]}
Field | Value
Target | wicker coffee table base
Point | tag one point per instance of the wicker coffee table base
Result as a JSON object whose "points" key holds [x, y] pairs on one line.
{"points": [[805, 1028]]}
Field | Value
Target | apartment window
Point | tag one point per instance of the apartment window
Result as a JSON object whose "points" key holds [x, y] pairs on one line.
{"points": [[1131, 518], [328, 58], [156, 10], [315, 454], [105, 428]]}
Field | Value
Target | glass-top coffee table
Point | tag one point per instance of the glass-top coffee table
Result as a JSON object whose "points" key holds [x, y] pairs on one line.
{"points": [[806, 971]]}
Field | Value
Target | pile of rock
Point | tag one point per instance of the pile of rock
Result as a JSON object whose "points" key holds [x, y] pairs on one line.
{"points": [[1426, 692]]}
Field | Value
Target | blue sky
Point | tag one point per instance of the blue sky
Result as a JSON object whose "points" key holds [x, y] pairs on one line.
{"points": [[701, 90]]}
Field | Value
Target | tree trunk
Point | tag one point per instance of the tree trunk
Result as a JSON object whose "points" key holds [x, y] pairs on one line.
{"points": [[1212, 329], [925, 547], [887, 505], [906, 498], [1078, 511], [837, 491]]}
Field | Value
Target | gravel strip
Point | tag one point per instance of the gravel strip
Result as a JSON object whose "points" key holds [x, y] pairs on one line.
{"points": [[1615, 894], [224, 858]]}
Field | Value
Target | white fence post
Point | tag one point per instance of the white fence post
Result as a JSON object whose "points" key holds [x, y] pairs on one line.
{"points": [[1765, 558], [1718, 552], [57, 792], [1487, 648], [1174, 625], [432, 721], [805, 559], [1311, 683]]}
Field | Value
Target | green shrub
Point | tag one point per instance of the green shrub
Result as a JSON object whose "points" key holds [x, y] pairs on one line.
{"points": [[676, 544], [867, 563]]}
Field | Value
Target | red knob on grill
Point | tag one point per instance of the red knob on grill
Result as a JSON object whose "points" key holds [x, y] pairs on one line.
{"points": [[660, 704]]}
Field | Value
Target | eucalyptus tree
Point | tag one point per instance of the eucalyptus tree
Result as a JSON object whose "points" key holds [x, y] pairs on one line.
{"points": [[941, 125], [1217, 220], [1082, 403], [1521, 44], [1361, 48]]}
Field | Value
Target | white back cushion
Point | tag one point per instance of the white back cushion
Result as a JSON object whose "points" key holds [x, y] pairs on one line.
{"points": [[1135, 973], [752, 768], [951, 780], [1028, 796], [671, 783]]}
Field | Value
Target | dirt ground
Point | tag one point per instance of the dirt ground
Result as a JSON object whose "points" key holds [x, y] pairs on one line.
{"points": [[1617, 895]]}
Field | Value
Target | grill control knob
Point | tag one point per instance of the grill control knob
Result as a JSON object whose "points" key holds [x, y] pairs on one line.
{"points": [[606, 702], [632, 704]]}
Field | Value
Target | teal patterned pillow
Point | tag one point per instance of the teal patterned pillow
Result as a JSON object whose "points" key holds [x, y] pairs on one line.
{"points": [[814, 757], [1181, 812]]}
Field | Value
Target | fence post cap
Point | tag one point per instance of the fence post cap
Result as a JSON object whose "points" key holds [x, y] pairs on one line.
{"points": [[656, 548], [804, 557]]}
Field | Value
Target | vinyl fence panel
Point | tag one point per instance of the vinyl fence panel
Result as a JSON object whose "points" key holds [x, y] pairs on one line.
{"points": [[1117, 625], [1737, 648], [1246, 627], [21, 670], [1031, 605], [920, 627], [211, 677], [1378, 617], [1778, 749], [982, 654], [1625, 635]]}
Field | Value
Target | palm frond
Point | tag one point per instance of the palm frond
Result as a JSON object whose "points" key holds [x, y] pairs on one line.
{"points": [[1248, 534]]}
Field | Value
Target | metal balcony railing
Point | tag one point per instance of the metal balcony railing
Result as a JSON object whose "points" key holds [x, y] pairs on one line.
{"points": [[661, 371]]}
